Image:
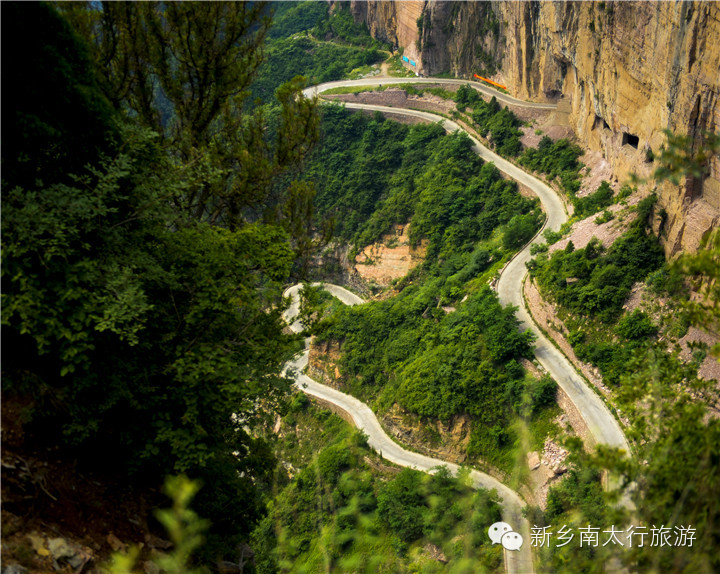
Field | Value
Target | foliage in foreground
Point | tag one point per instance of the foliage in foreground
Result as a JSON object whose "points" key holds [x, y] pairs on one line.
{"points": [[668, 405], [147, 340], [342, 512], [184, 528]]}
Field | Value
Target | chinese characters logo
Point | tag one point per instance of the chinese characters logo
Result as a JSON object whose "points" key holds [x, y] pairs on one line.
{"points": [[637, 536]]}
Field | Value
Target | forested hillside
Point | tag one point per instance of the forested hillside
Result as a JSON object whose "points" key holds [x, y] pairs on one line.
{"points": [[164, 180], [372, 173], [308, 39]]}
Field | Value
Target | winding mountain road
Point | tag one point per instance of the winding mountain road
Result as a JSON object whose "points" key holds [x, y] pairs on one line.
{"points": [[516, 562], [480, 87], [601, 423]]}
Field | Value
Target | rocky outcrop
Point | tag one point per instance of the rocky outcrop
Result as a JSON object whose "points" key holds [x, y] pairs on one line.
{"points": [[626, 70], [393, 22], [391, 258], [447, 441], [323, 363]]}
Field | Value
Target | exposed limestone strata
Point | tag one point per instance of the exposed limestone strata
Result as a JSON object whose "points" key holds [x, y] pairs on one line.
{"points": [[627, 71]]}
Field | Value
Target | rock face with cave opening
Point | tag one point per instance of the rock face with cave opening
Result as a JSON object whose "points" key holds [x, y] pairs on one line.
{"points": [[630, 139], [627, 71]]}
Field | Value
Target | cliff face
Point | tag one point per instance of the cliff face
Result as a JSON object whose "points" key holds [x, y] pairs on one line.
{"points": [[629, 70], [392, 22]]}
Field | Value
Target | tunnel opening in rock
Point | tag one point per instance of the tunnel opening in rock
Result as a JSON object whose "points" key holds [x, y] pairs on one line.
{"points": [[630, 139], [553, 94], [600, 123]]}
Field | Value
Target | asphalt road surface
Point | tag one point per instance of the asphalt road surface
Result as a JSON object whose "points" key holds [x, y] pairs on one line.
{"points": [[504, 98], [601, 423], [516, 562]]}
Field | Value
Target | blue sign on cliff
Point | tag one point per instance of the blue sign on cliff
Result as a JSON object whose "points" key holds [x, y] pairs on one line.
{"points": [[412, 63], [406, 59]]}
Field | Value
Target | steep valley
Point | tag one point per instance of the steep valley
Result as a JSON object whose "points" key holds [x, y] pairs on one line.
{"points": [[336, 303]]}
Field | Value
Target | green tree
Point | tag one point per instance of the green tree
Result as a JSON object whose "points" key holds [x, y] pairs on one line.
{"points": [[686, 156], [520, 229], [146, 340], [183, 70], [636, 325], [703, 270], [40, 135], [401, 505], [591, 204], [201, 55]]}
